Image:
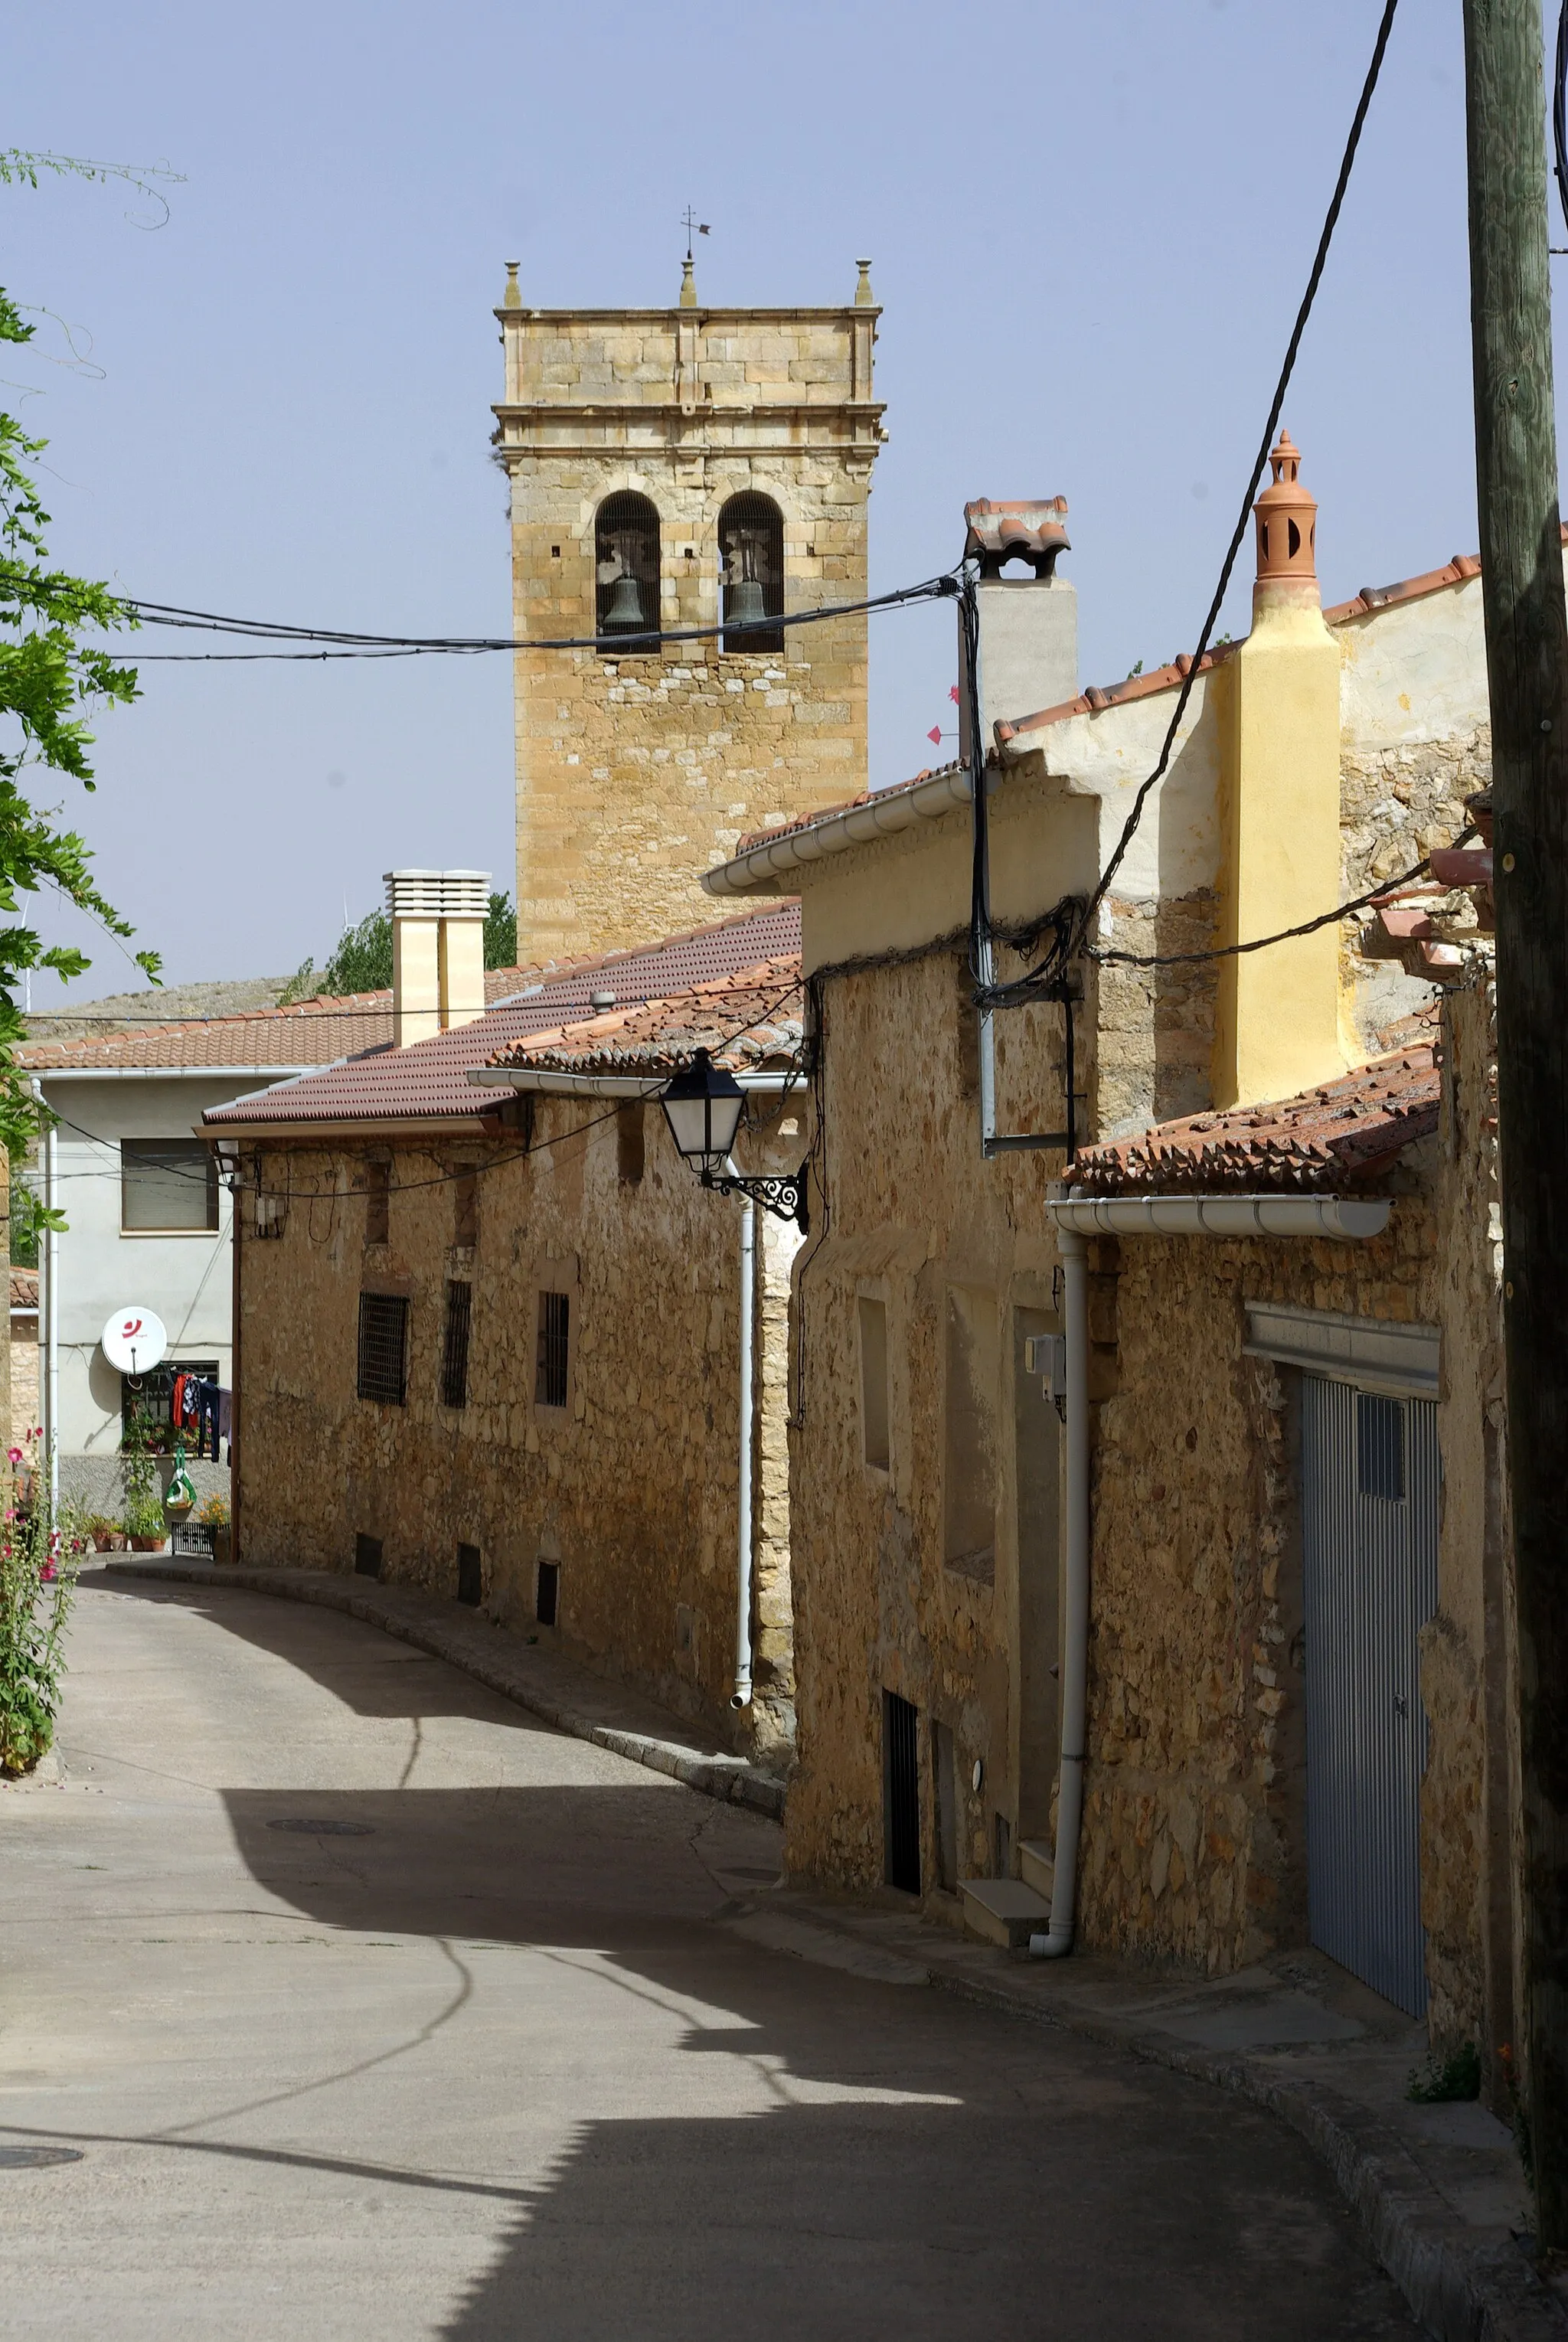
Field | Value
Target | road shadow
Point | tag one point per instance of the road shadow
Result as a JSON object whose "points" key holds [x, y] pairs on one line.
{"points": [[905, 2165], [372, 1673]]}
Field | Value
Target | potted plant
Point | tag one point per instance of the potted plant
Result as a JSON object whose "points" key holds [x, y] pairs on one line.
{"points": [[107, 1535], [144, 1506], [214, 1518]]}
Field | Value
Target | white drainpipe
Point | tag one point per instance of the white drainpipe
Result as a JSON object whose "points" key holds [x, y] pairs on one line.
{"points": [[741, 1697], [1074, 1250]]}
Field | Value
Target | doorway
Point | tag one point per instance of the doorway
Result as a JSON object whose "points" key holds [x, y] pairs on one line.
{"points": [[1369, 1553]]}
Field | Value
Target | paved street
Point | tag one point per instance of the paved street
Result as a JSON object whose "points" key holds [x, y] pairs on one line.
{"points": [[483, 2054]]}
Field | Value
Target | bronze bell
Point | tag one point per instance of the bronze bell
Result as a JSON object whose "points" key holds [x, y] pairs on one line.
{"points": [[625, 610], [746, 607]]}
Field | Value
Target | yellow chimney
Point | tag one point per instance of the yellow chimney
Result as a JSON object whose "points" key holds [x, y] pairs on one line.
{"points": [[1277, 1025]]}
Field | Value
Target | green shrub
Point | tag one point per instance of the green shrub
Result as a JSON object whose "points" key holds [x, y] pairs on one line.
{"points": [[39, 1558], [1437, 2080]]}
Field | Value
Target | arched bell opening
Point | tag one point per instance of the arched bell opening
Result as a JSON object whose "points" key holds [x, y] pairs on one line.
{"points": [[751, 571], [627, 567]]}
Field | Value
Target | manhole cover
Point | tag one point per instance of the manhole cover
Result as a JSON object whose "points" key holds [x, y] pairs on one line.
{"points": [[31, 2159], [309, 1829]]}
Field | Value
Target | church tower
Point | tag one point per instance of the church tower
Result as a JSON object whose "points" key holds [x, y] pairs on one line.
{"points": [[679, 467]]}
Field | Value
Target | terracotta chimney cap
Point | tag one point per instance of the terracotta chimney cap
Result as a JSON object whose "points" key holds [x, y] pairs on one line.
{"points": [[1286, 517]]}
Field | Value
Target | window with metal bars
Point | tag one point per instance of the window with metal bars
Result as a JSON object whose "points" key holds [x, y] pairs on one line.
{"points": [[626, 568], [383, 1348], [751, 556], [554, 1350], [455, 1347]]}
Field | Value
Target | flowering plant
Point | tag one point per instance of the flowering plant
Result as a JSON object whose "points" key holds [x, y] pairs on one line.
{"points": [[39, 1558], [214, 1514]]}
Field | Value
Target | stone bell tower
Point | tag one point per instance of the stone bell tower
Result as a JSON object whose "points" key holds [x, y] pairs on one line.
{"points": [[679, 467]]}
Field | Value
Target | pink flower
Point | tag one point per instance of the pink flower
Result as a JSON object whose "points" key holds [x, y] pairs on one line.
{"points": [[48, 1573], [14, 1455]]}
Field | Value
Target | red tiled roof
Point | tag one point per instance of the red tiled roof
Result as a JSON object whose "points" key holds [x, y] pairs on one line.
{"points": [[749, 1019], [24, 1288], [831, 813], [428, 1080], [306, 1032], [1340, 1135]]}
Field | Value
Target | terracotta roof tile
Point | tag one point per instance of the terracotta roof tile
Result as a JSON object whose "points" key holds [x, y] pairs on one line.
{"points": [[1028, 528], [24, 1288], [1325, 1141], [751, 1019], [428, 1080]]}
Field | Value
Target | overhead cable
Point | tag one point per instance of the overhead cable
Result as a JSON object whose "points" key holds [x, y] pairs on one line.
{"points": [[1275, 408], [341, 643]]}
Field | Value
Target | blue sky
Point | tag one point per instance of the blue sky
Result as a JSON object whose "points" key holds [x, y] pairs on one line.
{"points": [[1090, 226]]}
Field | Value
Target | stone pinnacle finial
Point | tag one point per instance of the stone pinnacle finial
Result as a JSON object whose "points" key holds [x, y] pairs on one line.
{"points": [[512, 298], [864, 299], [1286, 519], [688, 284]]}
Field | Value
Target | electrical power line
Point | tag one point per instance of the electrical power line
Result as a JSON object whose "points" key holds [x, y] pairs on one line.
{"points": [[1028, 985], [341, 643]]}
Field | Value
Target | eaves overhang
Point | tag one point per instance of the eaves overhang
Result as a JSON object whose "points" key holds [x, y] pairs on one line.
{"points": [[759, 869]]}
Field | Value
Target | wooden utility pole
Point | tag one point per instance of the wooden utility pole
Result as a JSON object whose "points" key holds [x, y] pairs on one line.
{"points": [[1527, 664]]}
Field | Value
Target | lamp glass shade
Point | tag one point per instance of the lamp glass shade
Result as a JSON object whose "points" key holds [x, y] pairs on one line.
{"points": [[704, 1105]]}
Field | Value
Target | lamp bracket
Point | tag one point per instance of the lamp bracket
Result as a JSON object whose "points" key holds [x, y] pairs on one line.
{"points": [[785, 1196]]}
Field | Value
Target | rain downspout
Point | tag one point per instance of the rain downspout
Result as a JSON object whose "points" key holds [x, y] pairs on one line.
{"points": [[1074, 1251], [742, 1695]]}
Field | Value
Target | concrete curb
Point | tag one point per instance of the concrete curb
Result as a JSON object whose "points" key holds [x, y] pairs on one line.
{"points": [[1479, 2294], [540, 1682]]}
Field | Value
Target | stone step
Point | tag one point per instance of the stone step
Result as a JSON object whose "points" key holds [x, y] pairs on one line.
{"points": [[1037, 1866], [1003, 1910]]}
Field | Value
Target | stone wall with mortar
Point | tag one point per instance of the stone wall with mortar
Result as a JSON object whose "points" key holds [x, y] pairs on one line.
{"points": [[635, 775], [890, 1595], [630, 1489], [1195, 1840]]}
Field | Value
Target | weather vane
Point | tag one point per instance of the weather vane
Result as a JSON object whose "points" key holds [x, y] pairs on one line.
{"points": [[690, 223]]}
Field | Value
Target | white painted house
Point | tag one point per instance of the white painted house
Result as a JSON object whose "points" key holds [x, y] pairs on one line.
{"points": [[148, 1219]]}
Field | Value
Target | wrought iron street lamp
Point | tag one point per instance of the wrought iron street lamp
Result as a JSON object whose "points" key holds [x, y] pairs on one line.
{"points": [[702, 1105]]}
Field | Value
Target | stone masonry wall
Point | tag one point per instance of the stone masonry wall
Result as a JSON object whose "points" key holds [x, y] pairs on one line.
{"points": [[910, 1219], [1193, 1839], [637, 774], [630, 1489]]}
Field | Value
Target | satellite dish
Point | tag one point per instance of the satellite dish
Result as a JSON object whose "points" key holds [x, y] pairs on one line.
{"points": [[133, 1340]]}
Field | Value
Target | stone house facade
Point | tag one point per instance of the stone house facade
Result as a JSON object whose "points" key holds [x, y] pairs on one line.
{"points": [[490, 1332], [709, 461], [929, 1468]]}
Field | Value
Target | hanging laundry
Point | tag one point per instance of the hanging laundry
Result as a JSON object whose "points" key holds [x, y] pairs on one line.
{"points": [[207, 1416]]}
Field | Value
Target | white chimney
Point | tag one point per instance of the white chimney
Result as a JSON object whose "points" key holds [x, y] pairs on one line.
{"points": [[1028, 618], [437, 949], [464, 907]]}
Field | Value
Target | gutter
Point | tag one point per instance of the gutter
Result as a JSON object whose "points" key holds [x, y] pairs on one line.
{"points": [[1077, 1218], [1340, 1216], [880, 817], [170, 1073], [627, 1086]]}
